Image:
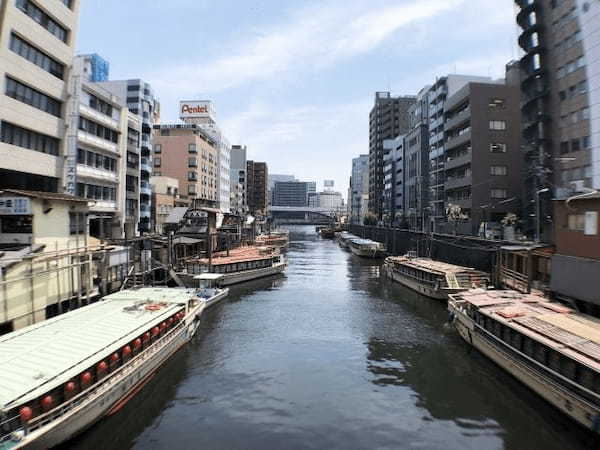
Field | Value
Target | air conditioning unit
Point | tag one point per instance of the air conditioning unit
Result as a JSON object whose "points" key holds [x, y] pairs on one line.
{"points": [[578, 185]]}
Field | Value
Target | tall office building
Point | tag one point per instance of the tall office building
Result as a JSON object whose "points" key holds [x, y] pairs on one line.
{"points": [[37, 42], [257, 175], [358, 196], [561, 101], [393, 180], [290, 193], [203, 114], [388, 118], [140, 100]]}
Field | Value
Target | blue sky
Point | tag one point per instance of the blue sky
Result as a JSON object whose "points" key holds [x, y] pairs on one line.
{"points": [[294, 80]]}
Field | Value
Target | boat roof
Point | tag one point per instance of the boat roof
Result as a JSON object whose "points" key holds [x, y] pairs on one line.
{"points": [[40, 357], [430, 265], [209, 276], [236, 255], [363, 241], [553, 324]]}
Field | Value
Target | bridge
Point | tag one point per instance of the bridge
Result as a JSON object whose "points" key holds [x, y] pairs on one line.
{"points": [[302, 214]]}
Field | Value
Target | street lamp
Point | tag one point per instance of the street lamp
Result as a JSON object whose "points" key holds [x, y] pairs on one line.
{"points": [[537, 213]]}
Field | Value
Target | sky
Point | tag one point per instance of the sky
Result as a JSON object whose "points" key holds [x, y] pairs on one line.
{"points": [[294, 81]]}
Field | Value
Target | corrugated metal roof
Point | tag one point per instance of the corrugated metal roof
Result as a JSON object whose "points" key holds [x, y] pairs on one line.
{"points": [[38, 358]]}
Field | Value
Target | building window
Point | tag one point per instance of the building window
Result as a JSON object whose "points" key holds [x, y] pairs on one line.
{"points": [[585, 142], [101, 106], [133, 88], [96, 160], [15, 135], [91, 127], [576, 222], [564, 147], [192, 148], [582, 87], [191, 189], [40, 16], [192, 162], [37, 57], [584, 114], [497, 147], [498, 193], [76, 223], [32, 97], [68, 3], [498, 170], [157, 148], [575, 145], [192, 176], [157, 161], [497, 125]]}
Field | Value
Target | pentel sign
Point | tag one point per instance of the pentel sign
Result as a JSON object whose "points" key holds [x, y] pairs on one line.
{"points": [[193, 109]]}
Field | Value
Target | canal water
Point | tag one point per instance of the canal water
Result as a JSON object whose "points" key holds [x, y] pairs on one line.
{"points": [[332, 356]]}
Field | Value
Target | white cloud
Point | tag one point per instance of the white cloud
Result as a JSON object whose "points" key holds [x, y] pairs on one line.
{"points": [[314, 37]]}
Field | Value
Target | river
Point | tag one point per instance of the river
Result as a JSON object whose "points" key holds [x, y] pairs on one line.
{"points": [[332, 356]]}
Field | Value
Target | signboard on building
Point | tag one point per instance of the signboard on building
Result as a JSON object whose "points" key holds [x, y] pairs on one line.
{"points": [[15, 206], [196, 109]]}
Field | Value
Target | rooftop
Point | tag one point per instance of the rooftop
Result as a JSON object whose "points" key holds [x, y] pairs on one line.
{"points": [[36, 359], [429, 265], [242, 254]]}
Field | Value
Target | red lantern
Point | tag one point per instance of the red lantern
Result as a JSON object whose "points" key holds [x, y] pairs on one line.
{"points": [[102, 366], [86, 378], [155, 331], [163, 326], [137, 343], [114, 358], [126, 351], [47, 402], [146, 337], [70, 387], [170, 322], [26, 414]]}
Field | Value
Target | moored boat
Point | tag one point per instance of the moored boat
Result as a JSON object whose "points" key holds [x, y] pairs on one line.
{"points": [[242, 264], [435, 279], [366, 248], [327, 233], [59, 376], [344, 238], [279, 239], [552, 349]]}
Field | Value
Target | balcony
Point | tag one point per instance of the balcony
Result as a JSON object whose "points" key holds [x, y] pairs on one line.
{"points": [[458, 119], [97, 116], [145, 188], [453, 183], [97, 142], [458, 140], [458, 161], [144, 210], [145, 164]]}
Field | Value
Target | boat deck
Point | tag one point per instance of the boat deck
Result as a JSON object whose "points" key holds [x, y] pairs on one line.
{"points": [[551, 323], [37, 358]]}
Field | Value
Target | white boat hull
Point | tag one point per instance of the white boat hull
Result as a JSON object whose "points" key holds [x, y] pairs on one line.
{"points": [[415, 285], [572, 405], [113, 392], [238, 277]]}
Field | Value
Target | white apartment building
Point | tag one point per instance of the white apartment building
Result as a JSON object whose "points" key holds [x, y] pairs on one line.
{"points": [[37, 41]]}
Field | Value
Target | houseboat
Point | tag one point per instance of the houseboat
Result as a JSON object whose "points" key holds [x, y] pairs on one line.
{"points": [[241, 264], [552, 349], [59, 376], [344, 238], [327, 232], [434, 279], [366, 248], [279, 239]]}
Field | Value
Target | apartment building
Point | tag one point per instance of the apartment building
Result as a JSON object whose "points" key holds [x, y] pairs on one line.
{"points": [[393, 180], [37, 41], [203, 114], [132, 175], [140, 100], [187, 153], [359, 189], [388, 118], [257, 187], [561, 102], [237, 180], [416, 164], [95, 162], [483, 161]]}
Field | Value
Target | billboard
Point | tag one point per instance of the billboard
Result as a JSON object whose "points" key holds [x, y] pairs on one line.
{"points": [[196, 109]]}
